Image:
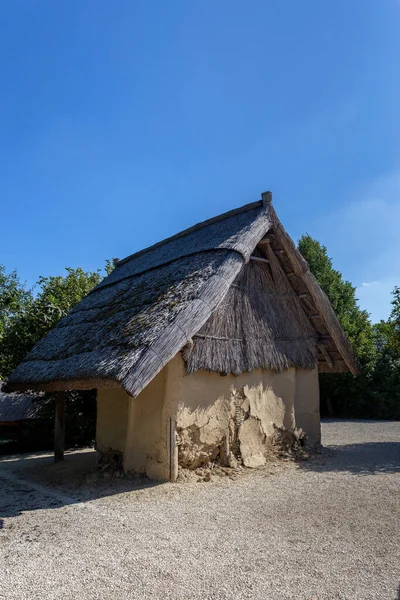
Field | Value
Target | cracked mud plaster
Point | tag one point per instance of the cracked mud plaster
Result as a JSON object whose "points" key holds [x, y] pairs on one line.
{"points": [[252, 443], [247, 428], [201, 433], [210, 414]]}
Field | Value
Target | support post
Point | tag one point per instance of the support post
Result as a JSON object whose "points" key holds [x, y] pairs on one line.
{"points": [[59, 427], [173, 452]]}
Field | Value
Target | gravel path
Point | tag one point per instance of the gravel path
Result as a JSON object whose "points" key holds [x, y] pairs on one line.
{"points": [[323, 529]]}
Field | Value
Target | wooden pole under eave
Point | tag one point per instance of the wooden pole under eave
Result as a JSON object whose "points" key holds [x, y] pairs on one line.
{"points": [[173, 452], [59, 427]]}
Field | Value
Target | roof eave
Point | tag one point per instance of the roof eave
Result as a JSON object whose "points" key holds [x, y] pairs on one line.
{"points": [[62, 385], [301, 268]]}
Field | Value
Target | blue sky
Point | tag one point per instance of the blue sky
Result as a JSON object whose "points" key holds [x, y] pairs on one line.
{"points": [[124, 122]]}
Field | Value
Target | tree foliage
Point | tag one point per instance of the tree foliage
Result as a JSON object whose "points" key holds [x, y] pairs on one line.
{"points": [[13, 298], [33, 316], [393, 341], [375, 392], [342, 295], [27, 317], [386, 376]]}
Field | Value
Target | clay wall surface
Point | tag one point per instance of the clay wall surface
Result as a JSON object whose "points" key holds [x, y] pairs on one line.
{"points": [[306, 404], [112, 419], [147, 440], [231, 419], [212, 418]]}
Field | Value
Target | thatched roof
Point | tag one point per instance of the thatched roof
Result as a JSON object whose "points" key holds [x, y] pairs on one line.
{"points": [[17, 407], [232, 292]]}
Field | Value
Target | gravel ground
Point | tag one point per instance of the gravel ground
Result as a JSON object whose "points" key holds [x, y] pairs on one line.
{"points": [[322, 529]]}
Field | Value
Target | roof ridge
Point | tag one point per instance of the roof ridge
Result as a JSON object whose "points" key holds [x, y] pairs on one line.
{"points": [[200, 225]]}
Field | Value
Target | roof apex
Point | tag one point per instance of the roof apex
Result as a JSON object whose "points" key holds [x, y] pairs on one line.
{"points": [[266, 199], [221, 217]]}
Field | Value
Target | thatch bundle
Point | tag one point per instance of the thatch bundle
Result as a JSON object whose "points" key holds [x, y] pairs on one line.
{"points": [[18, 407], [201, 291], [259, 324]]}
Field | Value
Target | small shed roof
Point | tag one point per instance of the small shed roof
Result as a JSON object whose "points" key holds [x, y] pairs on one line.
{"points": [[16, 406], [156, 301]]}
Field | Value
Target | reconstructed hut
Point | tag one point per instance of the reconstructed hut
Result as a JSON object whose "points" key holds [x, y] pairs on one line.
{"points": [[204, 347]]}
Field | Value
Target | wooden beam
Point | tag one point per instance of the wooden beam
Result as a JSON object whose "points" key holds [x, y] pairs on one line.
{"points": [[303, 295], [325, 353], [259, 259], [59, 427], [73, 384]]}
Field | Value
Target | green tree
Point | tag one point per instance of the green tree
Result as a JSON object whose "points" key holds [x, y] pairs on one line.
{"points": [[344, 395], [37, 315], [386, 377], [383, 335], [394, 322], [14, 298], [27, 319], [342, 295]]}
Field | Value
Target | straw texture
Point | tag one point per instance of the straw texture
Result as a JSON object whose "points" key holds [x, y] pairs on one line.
{"points": [[17, 407], [260, 324]]}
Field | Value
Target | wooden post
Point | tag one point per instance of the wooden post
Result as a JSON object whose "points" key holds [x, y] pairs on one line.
{"points": [[173, 452], [59, 427]]}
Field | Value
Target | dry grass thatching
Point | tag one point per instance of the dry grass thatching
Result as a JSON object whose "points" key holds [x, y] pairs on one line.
{"points": [[201, 287], [17, 407], [260, 323]]}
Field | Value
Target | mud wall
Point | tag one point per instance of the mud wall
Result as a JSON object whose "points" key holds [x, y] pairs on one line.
{"points": [[229, 419], [146, 449], [137, 427], [112, 419], [306, 404]]}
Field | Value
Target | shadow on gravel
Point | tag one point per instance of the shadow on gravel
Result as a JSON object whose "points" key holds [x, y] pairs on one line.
{"points": [[370, 458], [35, 482], [22, 498]]}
